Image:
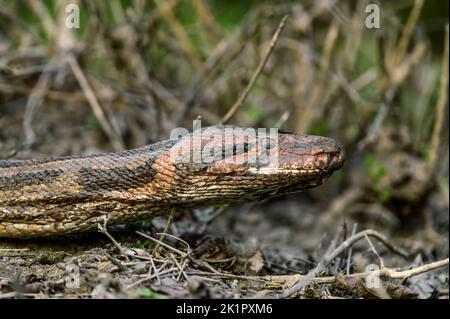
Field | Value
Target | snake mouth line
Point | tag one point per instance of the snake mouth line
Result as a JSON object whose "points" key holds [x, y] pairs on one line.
{"points": [[274, 170]]}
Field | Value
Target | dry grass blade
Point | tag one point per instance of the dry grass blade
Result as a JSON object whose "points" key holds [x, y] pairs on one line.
{"points": [[166, 9], [179, 252], [35, 98], [155, 271], [155, 275], [440, 109], [244, 95], [103, 229], [115, 138], [400, 50], [181, 268], [206, 18], [349, 256], [166, 228], [188, 248]]}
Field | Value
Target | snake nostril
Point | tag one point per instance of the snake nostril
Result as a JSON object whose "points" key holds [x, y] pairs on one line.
{"points": [[336, 160], [333, 162]]}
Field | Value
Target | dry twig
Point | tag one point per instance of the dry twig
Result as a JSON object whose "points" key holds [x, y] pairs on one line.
{"points": [[440, 109], [255, 75], [331, 255], [382, 272], [115, 138], [179, 252], [166, 229], [35, 98], [166, 9], [103, 230]]}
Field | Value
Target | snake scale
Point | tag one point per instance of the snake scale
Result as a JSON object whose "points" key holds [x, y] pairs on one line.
{"points": [[56, 196]]}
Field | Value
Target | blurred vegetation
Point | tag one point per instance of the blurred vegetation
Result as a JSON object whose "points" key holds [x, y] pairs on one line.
{"points": [[135, 70]]}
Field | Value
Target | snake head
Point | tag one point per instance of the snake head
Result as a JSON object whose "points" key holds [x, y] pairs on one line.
{"points": [[224, 164]]}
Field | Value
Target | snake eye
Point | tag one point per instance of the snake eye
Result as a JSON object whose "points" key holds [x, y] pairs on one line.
{"points": [[245, 147]]}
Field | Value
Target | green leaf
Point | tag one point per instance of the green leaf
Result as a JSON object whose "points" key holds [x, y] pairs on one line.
{"points": [[369, 159], [147, 293], [426, 153], [383, 195], [91, 122], [321, 127], [254, 113], [147, 244]]}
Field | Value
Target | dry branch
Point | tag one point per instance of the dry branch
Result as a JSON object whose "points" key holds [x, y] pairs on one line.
{"points": [[440, 110], [330, 256], [166, 229], [244, 95], [115, 138]]}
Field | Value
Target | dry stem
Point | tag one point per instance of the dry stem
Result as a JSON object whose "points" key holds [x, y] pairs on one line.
{"points": [[244, 95]]}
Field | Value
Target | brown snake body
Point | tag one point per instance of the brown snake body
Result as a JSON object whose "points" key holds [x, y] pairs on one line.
{"points": [[72, 194]]}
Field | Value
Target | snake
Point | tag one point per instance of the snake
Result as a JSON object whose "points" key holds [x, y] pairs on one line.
{"points": [[214, 165]]}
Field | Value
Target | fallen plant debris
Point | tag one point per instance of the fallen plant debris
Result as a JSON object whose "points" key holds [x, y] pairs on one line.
{"points": [[173, 270], [133, 71]]}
